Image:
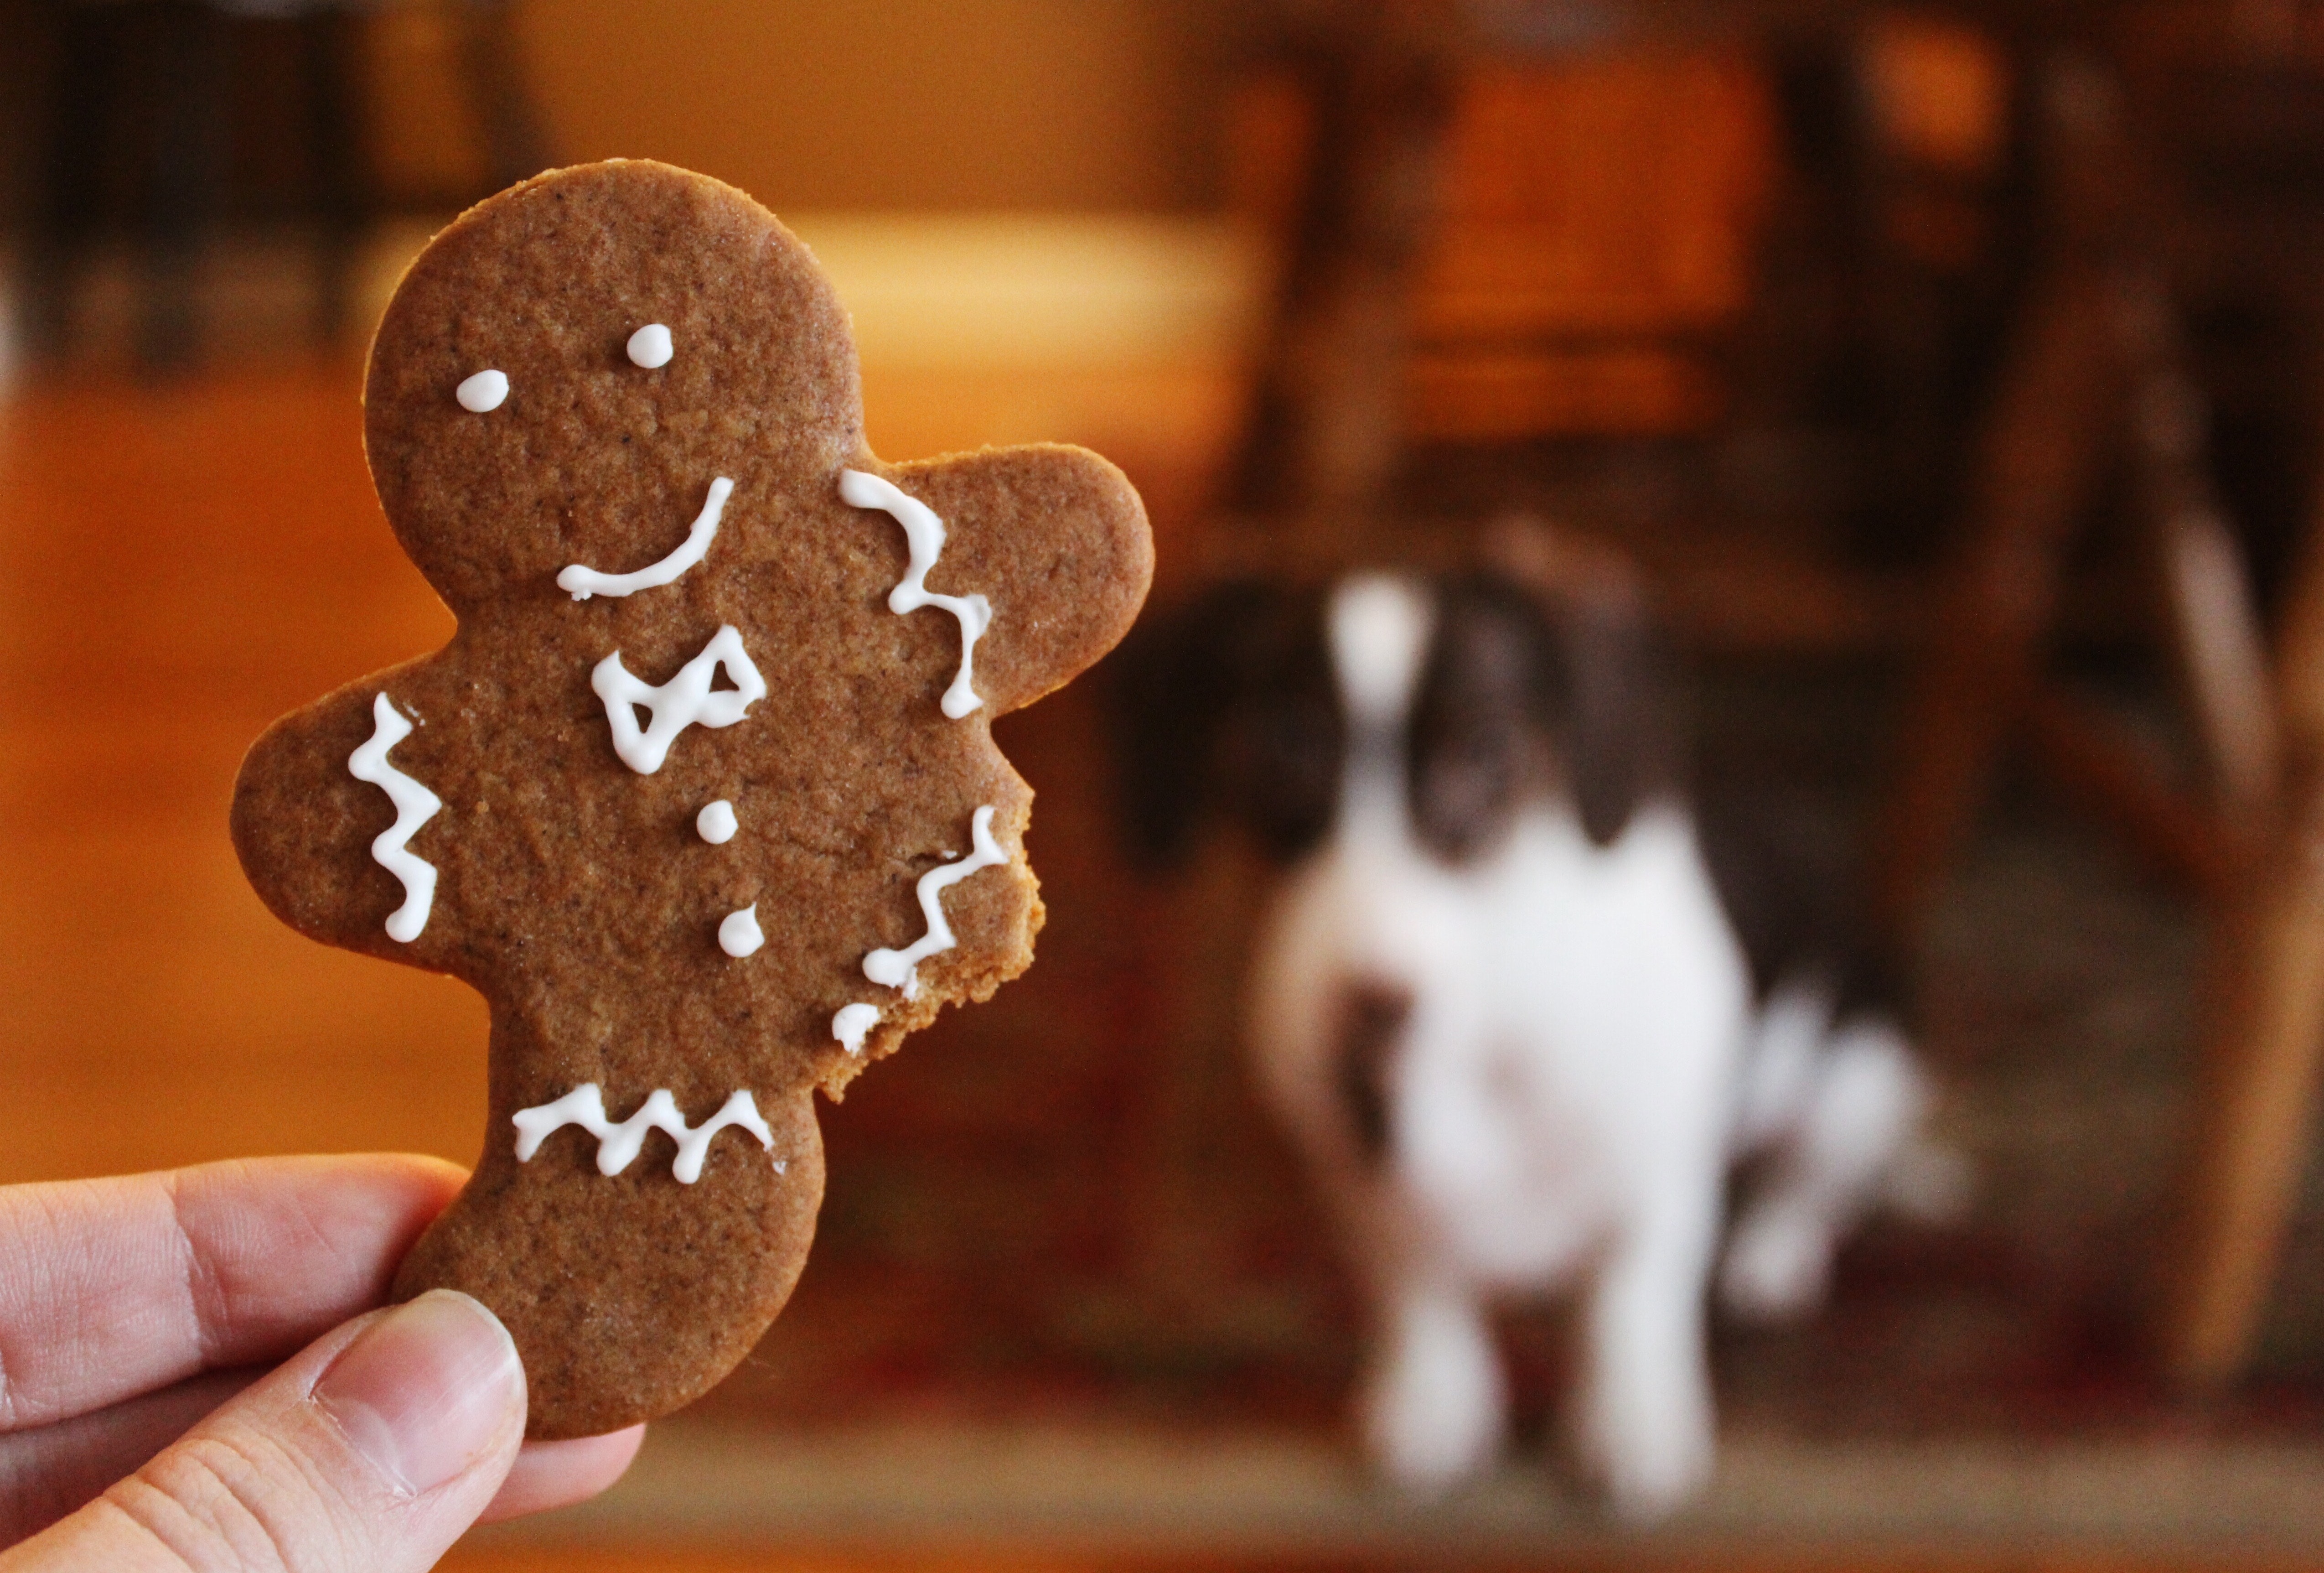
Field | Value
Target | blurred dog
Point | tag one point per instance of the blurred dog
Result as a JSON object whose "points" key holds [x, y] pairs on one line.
{"points": [[1522, 1001]]}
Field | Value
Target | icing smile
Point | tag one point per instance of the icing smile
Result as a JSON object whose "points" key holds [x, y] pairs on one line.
{"points": [[582, 582]]}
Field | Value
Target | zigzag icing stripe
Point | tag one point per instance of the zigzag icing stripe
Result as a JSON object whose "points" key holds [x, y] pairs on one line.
{"points": [[901, 969], [618, 1144], [581, 581], [924, 533], [415, 805]]}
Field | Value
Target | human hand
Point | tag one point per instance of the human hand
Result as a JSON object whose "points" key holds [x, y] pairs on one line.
{"points": [[139, 1423]]}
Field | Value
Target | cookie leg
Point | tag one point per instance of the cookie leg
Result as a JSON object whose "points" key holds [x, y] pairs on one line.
{"points": [[629, 1294], [1642, 1417]]}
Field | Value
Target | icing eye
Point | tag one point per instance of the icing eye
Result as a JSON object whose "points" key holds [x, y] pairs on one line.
{"points": [[483, 392], [650, 346]]}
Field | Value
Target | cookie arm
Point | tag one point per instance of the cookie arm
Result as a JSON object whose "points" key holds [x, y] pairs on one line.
{"points": [[303, 825], [1056, 540]]}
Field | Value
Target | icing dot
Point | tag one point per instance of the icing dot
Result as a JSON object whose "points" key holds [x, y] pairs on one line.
{"points": [[851, 1023], [739, 935], [650, 346], [717, 823], [483, 392]]}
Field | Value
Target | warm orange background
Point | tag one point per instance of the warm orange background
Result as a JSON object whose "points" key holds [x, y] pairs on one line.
{"points": [[884, 103], [185, 565]]}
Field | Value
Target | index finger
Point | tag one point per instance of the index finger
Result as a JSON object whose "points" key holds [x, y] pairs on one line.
{"points": [[114, 1287]]}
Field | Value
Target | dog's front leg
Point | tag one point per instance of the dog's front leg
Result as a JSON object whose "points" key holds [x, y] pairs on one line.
{"points": [[1643, 1421], [1433, 1406]]}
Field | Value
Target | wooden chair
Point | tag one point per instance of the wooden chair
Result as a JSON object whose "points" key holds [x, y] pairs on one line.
{"points": [[1490, 241], [2095, 376]]}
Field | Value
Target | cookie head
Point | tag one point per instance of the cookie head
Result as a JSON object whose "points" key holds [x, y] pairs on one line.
{"points": [[577, 360]]}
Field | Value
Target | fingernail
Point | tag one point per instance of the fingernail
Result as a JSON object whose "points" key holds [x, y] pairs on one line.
{"points": [[426, 1389]]}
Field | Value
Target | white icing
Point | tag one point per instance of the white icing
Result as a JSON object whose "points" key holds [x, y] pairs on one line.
{"points": [[650, 346], [901, 969], [617, 1145], [924, 533], [415, 805], [685, 700], [582, 582], [853, 1022], [739, 934], [482, 392], [717, 823]]}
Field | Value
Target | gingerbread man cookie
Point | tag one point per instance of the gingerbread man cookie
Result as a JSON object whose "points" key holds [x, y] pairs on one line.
{"points": [[702, 795]]}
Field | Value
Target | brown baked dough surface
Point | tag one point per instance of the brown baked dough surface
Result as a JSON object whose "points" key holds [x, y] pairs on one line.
{"points": [[573, 891]]}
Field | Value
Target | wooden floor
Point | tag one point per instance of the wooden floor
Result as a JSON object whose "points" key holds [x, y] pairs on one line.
{"points": [[186, 563], [2030, 1560]]}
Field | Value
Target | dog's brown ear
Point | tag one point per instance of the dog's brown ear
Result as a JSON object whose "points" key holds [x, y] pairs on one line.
{"points": [[1621, 732], [1613, 709], [1223, 707], [1559, 568], [1164, 690], [1483, 700]]}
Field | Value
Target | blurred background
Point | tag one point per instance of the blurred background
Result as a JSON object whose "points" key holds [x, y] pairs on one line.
{"points": [[1952, 370]]}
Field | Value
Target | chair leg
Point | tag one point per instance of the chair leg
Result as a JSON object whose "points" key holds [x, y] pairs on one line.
{"points": [[1324, 437], [2256, 1103], [187, 175], [2215, 639], [515, 148], [2037, 464], [328, 46], [77, 134]]}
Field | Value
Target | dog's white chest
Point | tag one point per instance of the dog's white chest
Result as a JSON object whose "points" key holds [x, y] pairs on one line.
{"points": [[1574, 1015], [1591, 1040], [1614, 965]]}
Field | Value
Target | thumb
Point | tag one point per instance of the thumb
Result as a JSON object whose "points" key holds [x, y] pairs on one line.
{"points": [[373, 1448]]}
